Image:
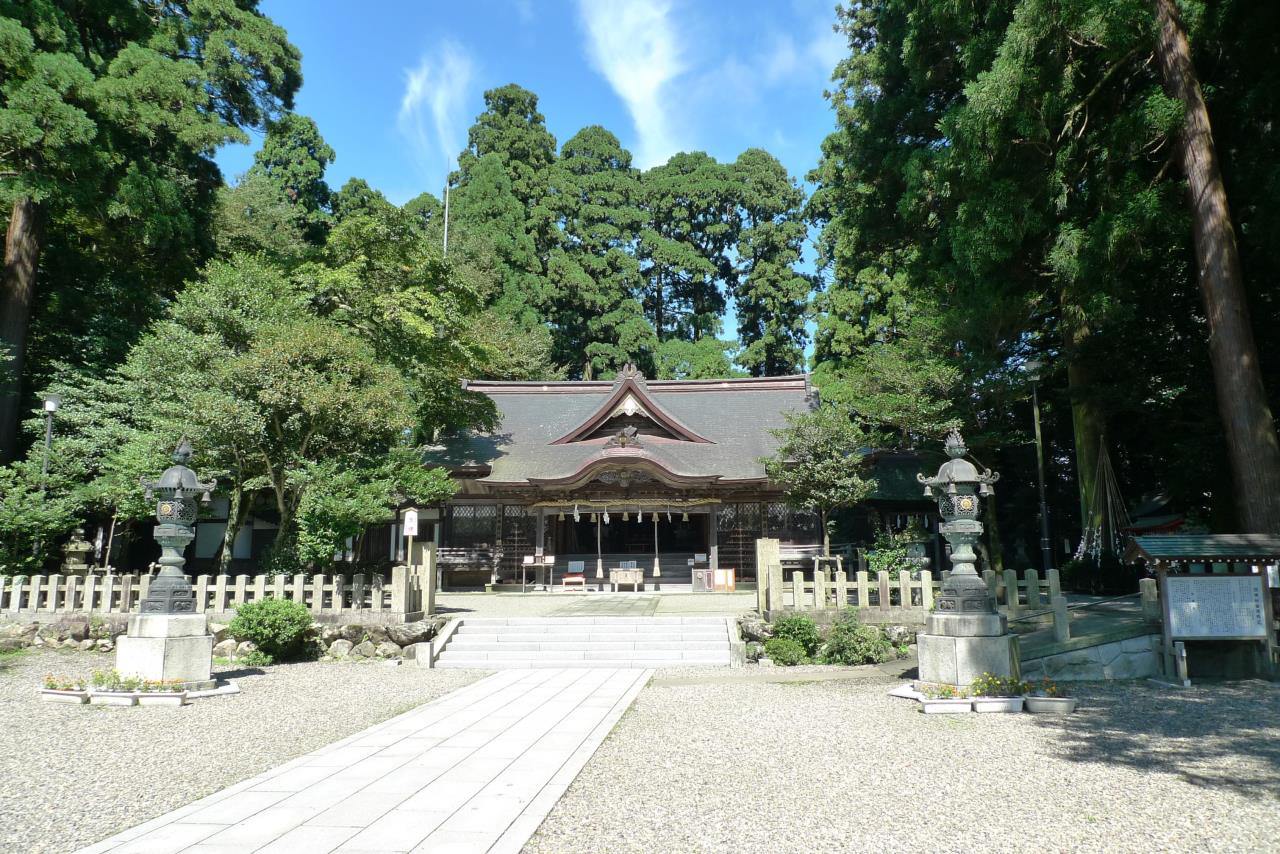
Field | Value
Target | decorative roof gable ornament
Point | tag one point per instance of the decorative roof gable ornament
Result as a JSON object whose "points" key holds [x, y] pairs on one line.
{"points": [[629, 372], [627, 437]]}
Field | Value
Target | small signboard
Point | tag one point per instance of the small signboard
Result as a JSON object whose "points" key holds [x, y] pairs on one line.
{"points": [[1217, 607], [409, 523]]}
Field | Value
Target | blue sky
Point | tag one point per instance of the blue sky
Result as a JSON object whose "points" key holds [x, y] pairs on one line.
{"points": [[395, 85]]}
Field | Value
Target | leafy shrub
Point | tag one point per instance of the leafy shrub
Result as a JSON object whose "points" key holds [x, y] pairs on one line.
{"points": [[801, 629], [257, 658], [277, 627], [890, 553], [785, 651], [850, 642]]}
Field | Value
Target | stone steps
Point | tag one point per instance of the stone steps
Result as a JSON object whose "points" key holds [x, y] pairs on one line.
{"points": [[520, 642]]}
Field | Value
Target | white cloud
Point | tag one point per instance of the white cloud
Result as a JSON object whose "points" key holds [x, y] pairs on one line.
{"points": [[816, 57], [634, 45], [431, 109]]}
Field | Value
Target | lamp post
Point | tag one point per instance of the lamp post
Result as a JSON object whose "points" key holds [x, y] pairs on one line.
{"points": [[1033, 369], [51, 404]]}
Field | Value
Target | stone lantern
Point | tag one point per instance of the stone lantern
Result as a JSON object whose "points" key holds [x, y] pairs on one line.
{"points": [[167, 639], [964, 634]]}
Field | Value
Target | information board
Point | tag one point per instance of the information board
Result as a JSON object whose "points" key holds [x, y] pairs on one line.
{"points": [[1205, 607], [409, 524]]}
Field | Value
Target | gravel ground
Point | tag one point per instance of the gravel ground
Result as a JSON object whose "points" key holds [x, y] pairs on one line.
{"points": [[754, 766], [71, 775]]}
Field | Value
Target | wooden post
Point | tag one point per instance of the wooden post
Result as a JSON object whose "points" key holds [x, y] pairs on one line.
{"points": [[882, 577], [864, 594], [1011, 592], [202, 593], [1149, 592], [399, 588], [51, 599], [317, 593], [1033, 589], [357, 591], [1061, 620], [220, 594], [90, 590]]}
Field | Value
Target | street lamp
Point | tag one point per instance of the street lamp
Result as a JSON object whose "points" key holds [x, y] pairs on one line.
{"points": [[1033, 369], [51, 404]]}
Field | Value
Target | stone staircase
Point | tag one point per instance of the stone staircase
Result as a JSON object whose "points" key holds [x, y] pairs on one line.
{"points": [[518, 642]]}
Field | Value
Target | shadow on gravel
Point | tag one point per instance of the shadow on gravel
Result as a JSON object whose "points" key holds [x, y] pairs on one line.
{"points": [[223, 675], [1215, 735]]}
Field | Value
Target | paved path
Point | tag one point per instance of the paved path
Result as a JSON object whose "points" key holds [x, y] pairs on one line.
{"points": [[476, 770]]}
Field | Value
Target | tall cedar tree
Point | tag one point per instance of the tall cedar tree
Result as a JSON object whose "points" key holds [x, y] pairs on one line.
{"points": [[111, 111], [593, 277], [772, 298]]}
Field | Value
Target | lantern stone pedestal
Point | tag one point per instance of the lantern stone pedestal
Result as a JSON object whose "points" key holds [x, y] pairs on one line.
{"points": [[169, 641], [168, 647], [964, 635]]}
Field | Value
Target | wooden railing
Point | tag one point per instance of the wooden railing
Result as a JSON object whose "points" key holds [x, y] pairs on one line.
{"points": [[403, 596], [911, 591]]}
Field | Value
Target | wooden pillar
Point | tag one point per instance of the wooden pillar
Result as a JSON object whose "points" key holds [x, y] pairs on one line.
{"points": [[541, 536], [599, 555], [713, 540]]}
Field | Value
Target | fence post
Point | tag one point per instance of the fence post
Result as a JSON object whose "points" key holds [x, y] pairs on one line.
{"points": [[220, 594], [863, 583], [71, 594], [399, 589], [926, 590], [242, 588], [108, 594], [51, 599], [904, 588], [126, 593], [993, 584], [1011, 592], [299, 592], [202, 593], [1150, 592], [33, 600], [280, 586], [767, 554], [1054, 577], [1061, 620], [842, 589], [429, 607], [882, 583], [90, 590], [357, 591], [259, 587], [4, 584], [1033, 589], [339, 592], [317, 593], [777, 599]]}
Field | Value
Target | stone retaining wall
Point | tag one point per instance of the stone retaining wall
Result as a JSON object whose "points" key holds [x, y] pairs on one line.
{"points": [[1131, 658]]}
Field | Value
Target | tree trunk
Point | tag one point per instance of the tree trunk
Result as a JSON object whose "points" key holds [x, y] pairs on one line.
{"points": [[1242, 403], [995, 551], [17, 295], [1087, 421], [826, 534], [236, 510]]}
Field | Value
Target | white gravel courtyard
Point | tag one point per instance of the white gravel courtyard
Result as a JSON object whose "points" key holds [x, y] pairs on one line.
{"points": [[71, 775], [840, 766]]}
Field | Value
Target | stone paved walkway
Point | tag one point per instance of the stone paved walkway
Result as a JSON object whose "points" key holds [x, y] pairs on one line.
{"points": [[609, 605], [475, 771]]}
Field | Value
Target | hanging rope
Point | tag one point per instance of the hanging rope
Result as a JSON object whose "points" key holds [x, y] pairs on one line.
{"points": [[1107, 517]]}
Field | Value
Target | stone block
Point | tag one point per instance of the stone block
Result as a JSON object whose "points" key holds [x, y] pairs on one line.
{"points": [[387, 649], [340, 648], [960, 660], [187, 658], [966, 625], [225, 648], [245, 647], [168, 625]]}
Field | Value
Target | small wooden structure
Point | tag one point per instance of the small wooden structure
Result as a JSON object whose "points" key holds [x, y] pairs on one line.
{"points": [[1223, 588]]}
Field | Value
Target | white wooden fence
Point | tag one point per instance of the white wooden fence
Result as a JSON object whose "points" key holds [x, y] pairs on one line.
{"points": [[403, 596], [908, 592]]}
